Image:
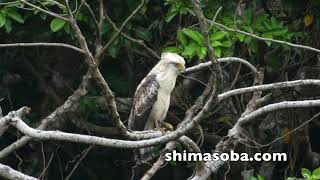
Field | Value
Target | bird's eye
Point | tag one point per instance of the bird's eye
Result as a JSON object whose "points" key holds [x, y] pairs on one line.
{"points": [[180, 66]]}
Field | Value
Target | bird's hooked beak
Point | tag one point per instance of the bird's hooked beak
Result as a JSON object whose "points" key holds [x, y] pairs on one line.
{"points": [[181, 67]]}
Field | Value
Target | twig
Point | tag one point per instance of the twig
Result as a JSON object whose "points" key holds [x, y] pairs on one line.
{"points": [[160, 162], [138, 41], [44, 11], [42, 44], [105, 47], [86, 151], [82, 41], [95, 21], [100, 24], [288, 133], [216, 15]]}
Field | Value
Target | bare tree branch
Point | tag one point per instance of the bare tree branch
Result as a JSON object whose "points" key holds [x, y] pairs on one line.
{"points": [[71, 137], [277, 107], [160, 162], [220, 60], [11, 174], [41, 44], [271, 86], [82, 41], [193, 147], [217, 72], [44, 11], [4, 121], [55, 118]]}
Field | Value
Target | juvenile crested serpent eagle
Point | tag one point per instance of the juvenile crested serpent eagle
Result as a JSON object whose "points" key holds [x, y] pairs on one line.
{"points": [[152, 97]]}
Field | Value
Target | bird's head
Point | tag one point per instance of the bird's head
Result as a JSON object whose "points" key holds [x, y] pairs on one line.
{"points": [[174, 62]]}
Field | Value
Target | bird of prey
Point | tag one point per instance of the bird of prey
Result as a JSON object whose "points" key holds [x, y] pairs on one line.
{"points": [[152, 97]]}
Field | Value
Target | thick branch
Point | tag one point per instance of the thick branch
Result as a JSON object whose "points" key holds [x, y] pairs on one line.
{"points": [[278, 106], [220, 60], [11, 174], [264, 87], [56, 117], [5, 121]]}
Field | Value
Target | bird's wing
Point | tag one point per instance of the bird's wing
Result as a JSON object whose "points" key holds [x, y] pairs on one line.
{"points": [[145, 97]]}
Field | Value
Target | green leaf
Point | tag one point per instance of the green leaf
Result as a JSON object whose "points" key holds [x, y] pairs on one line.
{"points": [[291, 178], [248, 29], [217, 52], [201, 52], [217, 35], [56, 24], [113, 51], [268, 25], [13, 14], [274, 23], [252, 178], [241, 37], [280, 32], [260, 177], [2, 20], [190, 50], [142, 33], [8, 26], [170, 15], [253, 46], [216, 44], [269, 36], [316, 173], [67, 28], [226, 44], [194, 35], [172, 49], [182, 38], [305, 173]]}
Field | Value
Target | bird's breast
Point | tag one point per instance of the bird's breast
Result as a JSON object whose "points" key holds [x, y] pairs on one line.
{"points": [[161, 106]]}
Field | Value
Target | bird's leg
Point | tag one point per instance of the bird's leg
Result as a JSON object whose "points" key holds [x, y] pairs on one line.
{"points": [[163, 131], [166, 126]]}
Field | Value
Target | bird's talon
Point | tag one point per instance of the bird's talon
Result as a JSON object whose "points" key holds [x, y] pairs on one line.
{"points": [[166, 126]]}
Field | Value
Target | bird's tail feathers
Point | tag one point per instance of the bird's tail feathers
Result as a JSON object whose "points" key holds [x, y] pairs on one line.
{"points": [[144, 155]]}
